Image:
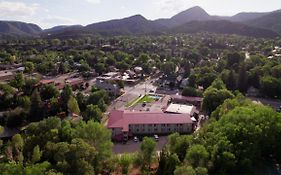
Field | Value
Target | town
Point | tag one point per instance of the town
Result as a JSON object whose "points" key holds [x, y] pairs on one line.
{"points": [[194, 94]]}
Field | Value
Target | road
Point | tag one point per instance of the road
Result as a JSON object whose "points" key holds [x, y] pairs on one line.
{"points": [[131, 93]]}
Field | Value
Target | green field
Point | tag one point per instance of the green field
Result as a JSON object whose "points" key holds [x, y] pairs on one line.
{"points": [[138, 100]]}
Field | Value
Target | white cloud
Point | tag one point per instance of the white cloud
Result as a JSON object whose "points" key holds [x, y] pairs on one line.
{"points": [[17, 9], [94, 1]]}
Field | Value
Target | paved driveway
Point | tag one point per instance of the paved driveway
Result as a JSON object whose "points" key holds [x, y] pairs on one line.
{"points": [[131, 146]]}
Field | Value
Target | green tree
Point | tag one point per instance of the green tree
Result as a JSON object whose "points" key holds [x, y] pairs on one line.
{"points": [[147, 151], [73, 106], [65, 96], [100, 138], [125, 161], [36, 156], [167, 162], [36, 108], [18, 81], [242, 83], [197, 156], [270, 86], [28, 67], [184, 170], [93, 112], [49, 91]]}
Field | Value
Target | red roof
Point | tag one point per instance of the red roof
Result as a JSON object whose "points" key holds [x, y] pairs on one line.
{"points": [[191, 99], [74, 81], [122, 119], [46, 81]]}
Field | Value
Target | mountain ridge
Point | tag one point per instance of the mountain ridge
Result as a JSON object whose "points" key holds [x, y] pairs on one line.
{"points": [[261, 23]]}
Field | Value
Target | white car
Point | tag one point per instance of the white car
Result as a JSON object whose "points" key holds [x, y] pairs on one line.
{"points": [[136, 139], [156, 137]]}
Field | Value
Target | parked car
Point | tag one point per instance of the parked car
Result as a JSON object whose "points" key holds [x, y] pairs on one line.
{"points": [[156, 138], [144, 104], [136, 139]]}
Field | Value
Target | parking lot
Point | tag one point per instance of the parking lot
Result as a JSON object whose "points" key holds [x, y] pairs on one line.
{"points": [[131, 146]]}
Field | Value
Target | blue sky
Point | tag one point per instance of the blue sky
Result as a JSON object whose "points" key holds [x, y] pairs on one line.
{"points": [[49, 13]]}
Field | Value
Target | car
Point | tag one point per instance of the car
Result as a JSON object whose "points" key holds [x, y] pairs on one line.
{"points": [[151, 90], [136, 139], [156, 137], [144, 104]]}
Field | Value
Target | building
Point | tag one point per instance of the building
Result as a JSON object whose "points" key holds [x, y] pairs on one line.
{"points": [[182, 109], [125, 124], [109, 87], [75, 83], [196, 101], [6, 75]]}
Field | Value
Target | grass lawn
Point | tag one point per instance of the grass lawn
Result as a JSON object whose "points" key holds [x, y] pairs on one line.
{"points": [[138, 100], [146, 99]]}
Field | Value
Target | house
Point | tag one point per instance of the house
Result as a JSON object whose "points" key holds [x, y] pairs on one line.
{"points": [[8, 133], [6, 75], [252, 92], [196, 101], [125, 124], [112, 88], [182, 109]]}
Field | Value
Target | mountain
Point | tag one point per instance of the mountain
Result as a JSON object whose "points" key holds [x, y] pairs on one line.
{"points": [[224, 27], [191, 20], [62, 28], [132, 25], [271, 21], [15, 28], [244, 16], [192, 14]]}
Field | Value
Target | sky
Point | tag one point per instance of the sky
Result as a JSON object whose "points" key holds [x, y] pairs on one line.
{"points": [[49, 13]]}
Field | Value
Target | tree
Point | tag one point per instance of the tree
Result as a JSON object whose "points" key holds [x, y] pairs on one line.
{"points": [[18, 81], [125, 161], [73, 106], [231, 81], [36, 156], [168, 68], [49, 91], [184, 170], [179, 144], [65, 96], [36, 108], [147, 151], [270, 86], [242, 83], [100, 138], [197, 156], [190, 91], [29, 67], [167, 162], [214, 97], [93, 112]]}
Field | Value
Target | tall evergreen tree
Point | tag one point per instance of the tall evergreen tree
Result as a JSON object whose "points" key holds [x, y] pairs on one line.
{"points": [[65, 96], [231, 81], [242, 83], [36, 112]]}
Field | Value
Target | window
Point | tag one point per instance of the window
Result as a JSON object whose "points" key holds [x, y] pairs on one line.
{"points": [[155, 125], [163, 125]]}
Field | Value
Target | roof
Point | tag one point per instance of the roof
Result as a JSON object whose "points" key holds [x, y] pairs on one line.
{"points": [[9, 132], [181, 109], [6, 73], [46, 81], [122, 119], [74, 81], [190, 99]]}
